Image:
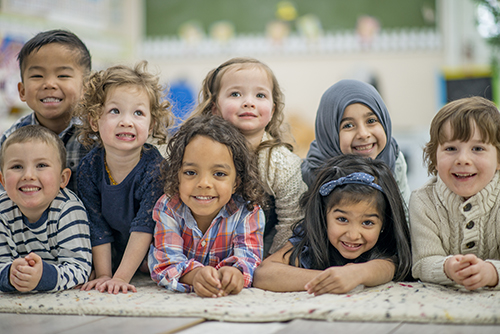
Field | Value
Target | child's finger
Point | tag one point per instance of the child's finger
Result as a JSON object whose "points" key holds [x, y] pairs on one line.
{"points": [[315, 284], [203, 289]]}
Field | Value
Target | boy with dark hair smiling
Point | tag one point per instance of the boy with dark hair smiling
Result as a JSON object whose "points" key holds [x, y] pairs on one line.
{"points": [[53, 67]]}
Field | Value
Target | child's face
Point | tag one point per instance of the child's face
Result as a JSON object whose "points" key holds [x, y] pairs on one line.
{"points": [[207, 178], [353, 229], [32, 176], [52, 85], [245, 99], [466, 167], [125, 122], [361, 132]]}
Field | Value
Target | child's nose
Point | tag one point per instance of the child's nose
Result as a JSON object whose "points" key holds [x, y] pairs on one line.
{"points": [[353, 233], [363, 132], [29, 173], [249, 103], [204, 182], [463, 158], [126, 120], [49, 82]]}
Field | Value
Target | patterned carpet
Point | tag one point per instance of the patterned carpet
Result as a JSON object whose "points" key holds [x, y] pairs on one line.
{"points": [[410, 302]]}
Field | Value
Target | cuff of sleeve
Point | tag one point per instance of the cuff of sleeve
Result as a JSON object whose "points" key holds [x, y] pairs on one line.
{"points": [[437, 272], [5, 285], [48, 281], [496, 264]]}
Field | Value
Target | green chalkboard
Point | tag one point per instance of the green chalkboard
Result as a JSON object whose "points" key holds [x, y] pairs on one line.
{"points": [[164, 17]]}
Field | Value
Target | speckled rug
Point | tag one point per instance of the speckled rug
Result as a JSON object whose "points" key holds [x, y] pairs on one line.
{"points": [[410, 302]]}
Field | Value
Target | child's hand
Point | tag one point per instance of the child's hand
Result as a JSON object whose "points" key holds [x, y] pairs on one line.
{"points": [[25, 274], [471, 272], [232, 281], [206, 282], [95, 283], [115, 285], [333, 280]]}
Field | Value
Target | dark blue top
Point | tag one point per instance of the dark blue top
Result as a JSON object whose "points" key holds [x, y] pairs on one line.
{"points": [[117, 210]]}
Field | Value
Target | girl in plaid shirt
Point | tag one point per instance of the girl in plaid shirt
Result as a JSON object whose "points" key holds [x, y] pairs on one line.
{"points": [[209, 225]]}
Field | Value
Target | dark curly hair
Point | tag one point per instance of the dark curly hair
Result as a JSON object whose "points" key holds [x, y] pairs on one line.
{"points": [[249, 186], [96, 91]]}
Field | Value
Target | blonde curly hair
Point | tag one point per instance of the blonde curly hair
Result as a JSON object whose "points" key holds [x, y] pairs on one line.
{"points": [[89, 109]]}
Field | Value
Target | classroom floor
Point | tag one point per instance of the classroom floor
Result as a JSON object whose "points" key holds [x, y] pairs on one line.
{"points": [[41, 324]]}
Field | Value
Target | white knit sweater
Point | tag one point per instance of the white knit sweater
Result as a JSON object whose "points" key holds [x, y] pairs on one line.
{"points": [[284, 181], [443, 224]]}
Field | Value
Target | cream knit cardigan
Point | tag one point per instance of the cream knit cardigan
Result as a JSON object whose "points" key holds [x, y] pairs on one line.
{"points": [[443, 224], [283, 180]]}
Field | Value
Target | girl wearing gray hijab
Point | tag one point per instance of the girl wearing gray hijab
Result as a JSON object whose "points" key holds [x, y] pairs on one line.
{"points": [[353, 118]]}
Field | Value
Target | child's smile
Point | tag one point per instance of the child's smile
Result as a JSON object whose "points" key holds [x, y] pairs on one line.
{"points": [[353, 229], [32, 176], [207, 179], [466, 167], [361, 132]]}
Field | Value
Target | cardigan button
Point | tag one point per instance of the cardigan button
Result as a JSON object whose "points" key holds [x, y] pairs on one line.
{"points": [[470, 225], [467, 207], [470, 244]]}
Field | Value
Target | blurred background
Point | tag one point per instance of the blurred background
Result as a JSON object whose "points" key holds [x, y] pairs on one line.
{"points": [[419, 54]]}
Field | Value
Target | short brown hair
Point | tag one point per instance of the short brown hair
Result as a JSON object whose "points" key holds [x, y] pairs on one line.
{"points": [[34, 133], [98, 87], [461, 114]]}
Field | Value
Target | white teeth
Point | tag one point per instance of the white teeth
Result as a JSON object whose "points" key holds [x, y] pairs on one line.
{"points": [[125, 135], [51, 99], [463, 175], [204, 197], [350, 245], [362, 148], [30, 189]]}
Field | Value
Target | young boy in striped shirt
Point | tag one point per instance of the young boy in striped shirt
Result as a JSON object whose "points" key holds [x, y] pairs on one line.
{"points": [[44, 231]]}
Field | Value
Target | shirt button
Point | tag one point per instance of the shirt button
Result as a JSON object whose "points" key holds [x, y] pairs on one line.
{"points": [[470, 244], [470, 225], [467, 207], [203, 243]]}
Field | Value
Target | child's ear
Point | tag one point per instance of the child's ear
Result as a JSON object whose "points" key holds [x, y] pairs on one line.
{"points": [[22, 91], [65, 175], [2, 181], [215, 110], [236, 184], [93, 125]]}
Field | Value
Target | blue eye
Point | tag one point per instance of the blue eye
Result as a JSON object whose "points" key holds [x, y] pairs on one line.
{"points": [[114, 111], [235, 94], [261, 96], [138, 113]]}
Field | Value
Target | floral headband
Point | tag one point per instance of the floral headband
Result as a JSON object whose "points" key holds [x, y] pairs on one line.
{"points": [[358, 178]]}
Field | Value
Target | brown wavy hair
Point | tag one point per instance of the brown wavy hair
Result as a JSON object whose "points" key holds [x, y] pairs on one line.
{"points": [[461, 115], [248, 187], [96, 91]]}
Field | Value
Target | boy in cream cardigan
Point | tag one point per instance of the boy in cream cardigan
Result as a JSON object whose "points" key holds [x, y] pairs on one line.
{"points": [[455, 216]]}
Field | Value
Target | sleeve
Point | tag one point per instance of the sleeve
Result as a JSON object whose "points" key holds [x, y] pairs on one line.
{"points": [[248, 245], [285, 180], [74, 254], [151, 189], [167, 261], [429, 254], [400, 174], [88, 192], [7, 255]]}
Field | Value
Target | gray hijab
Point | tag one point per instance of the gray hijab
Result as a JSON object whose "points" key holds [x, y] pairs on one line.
{"points": [[330, 112]]}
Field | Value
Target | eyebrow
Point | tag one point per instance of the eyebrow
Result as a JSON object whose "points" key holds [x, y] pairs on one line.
{"points": [[60, 68], [376, 215], [367, 114], [189, 164]]}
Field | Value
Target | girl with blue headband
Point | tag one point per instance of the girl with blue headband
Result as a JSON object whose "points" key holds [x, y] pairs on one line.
{"points": [[354, 233]]}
